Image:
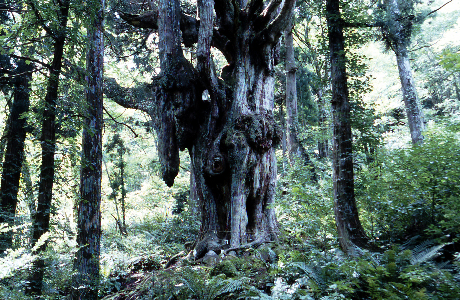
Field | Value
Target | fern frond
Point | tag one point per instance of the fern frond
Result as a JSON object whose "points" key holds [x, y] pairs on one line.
{"points": [[310, 272], [194, 281], [423, 246], [425, 255], [409, 243], [228, 286]]}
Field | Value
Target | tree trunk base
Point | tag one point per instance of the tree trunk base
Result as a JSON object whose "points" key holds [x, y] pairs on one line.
{"points": [[210, 243]]}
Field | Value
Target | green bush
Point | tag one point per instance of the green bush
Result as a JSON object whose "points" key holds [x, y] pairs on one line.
{"points": [[305, 208], [406, 191]]}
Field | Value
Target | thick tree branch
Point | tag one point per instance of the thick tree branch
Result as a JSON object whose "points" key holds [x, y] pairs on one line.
{"points": [[188, 25], [136, 98], [255, 8], [203, 52], [272, 32], [146, 20], [225, 14], [284, 17], [269, 13]]}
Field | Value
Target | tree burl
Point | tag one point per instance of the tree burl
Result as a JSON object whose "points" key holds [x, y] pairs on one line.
{"points": [[231, 134]]}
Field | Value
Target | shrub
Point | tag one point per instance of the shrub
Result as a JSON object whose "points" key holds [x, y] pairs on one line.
{"points": [[406, 191]]}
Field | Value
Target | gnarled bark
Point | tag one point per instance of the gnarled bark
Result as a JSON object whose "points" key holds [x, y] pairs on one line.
{"points": [[230, 134]]}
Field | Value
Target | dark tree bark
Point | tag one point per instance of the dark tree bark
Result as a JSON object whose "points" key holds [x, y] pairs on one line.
{"points": [[397, 33], [230, 134], [14, 154], [5, 80], [86, 266], [41, 219], [350, 231], [294, 147]]}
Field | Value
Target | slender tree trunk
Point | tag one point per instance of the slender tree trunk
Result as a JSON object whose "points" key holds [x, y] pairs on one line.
{"points": [[295, 148], [86, 266], [323, 144], [293, 145], [48, 142], [399, 34], [4, 139], [318, 89], [350, 231], [411, 101], [284, 137], [14, 155], [123, 191]]}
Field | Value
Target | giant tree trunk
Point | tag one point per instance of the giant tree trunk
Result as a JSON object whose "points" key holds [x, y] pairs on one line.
{"points": [[14, 155], [41, 220], [86, 266], [230, 135], [398, 35], [350, 231]]}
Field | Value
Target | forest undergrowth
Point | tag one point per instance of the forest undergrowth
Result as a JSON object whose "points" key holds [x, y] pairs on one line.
{"points": [[408, 199]]}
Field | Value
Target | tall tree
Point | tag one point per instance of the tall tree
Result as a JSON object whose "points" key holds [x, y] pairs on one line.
{"points": [[41, 219], [230, 135], [14, 155], [350, 231], [294, 147], [316, 54], [397, 30], [86, 278], [5, 71]]}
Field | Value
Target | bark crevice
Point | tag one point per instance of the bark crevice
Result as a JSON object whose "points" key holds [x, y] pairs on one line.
{"points": [[231, 134]]}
